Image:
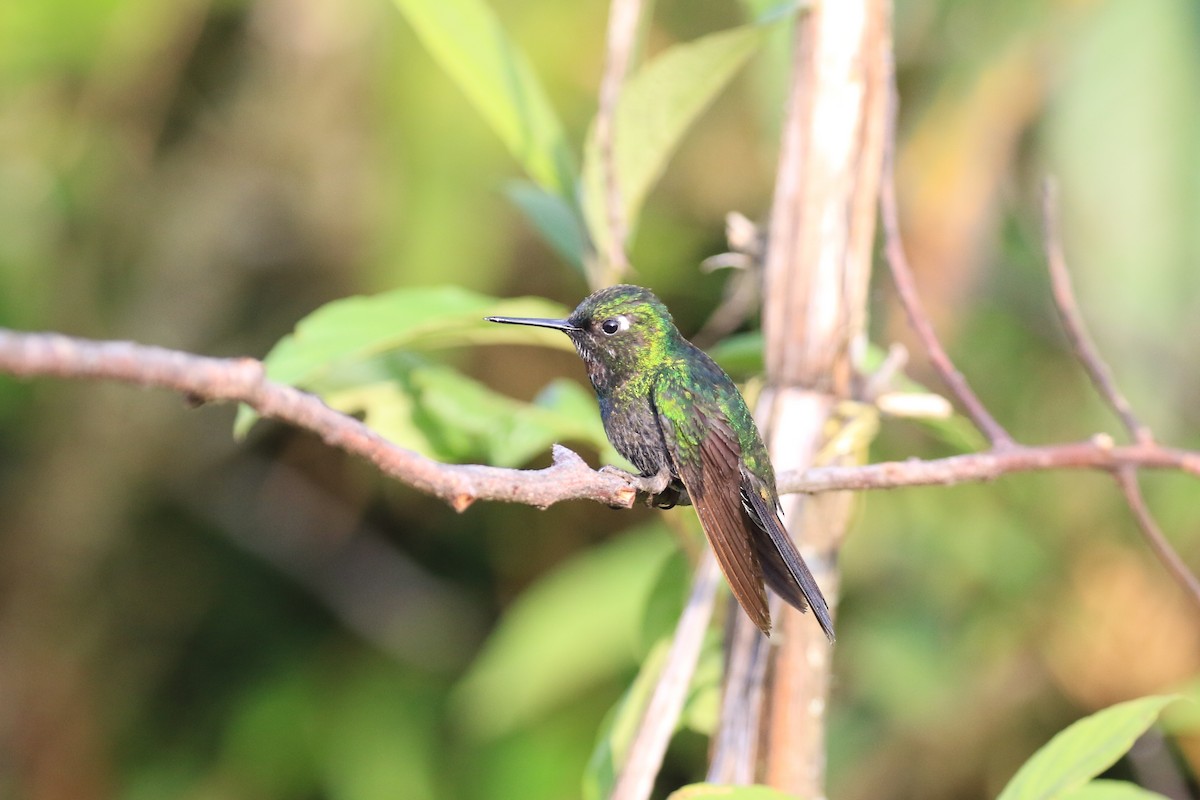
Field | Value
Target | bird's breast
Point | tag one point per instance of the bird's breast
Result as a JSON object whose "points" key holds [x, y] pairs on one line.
{"points": [[633, 429]]}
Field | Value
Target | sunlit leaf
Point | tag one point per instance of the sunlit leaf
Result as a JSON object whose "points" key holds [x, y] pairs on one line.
{"points": [[656, 108], [469, 43], [355, 328], [1111, 790], [1084, 750], [1183, 719], [575, 627], [387, 409]]}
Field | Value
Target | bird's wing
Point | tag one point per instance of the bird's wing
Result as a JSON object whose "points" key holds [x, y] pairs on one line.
{"points": [[705, 454], [784, 569]]}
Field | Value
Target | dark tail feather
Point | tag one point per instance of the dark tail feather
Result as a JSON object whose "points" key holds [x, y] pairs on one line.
{"points": [[783, 568]]}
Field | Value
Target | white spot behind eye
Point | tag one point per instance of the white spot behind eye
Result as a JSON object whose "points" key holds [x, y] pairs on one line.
{"points": [[615, 325]]}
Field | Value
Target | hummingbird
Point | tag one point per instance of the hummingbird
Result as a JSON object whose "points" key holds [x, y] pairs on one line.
{"points": [[680, 420]]}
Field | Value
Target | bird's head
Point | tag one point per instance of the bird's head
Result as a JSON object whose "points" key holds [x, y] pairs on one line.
{"points": [[619, 332]]}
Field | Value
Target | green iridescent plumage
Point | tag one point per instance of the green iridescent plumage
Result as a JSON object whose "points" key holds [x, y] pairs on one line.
{"points": [[678, 418]]}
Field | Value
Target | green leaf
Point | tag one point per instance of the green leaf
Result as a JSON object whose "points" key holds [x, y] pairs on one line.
{"points": [[740, 354], [554, 218], [375, 729], [702, 708], [714, 791], [619, 728], [1111, 790], [656, 107], [467, 40], [443, 414], [574, 628], [1084, 750], [1183, 719], [666, 600], [357, 328], [354, 330]]}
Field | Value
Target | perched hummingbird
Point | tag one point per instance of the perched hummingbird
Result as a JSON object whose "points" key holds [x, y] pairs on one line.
{"points": [[676, 416]]}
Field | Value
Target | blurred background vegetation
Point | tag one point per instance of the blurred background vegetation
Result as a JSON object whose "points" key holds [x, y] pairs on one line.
{"points": [[185, 616]]}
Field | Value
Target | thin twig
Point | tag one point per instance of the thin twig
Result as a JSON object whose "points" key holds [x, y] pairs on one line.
{"points": [[1072, 320], [1101, 376], [906, 287], [623, 19], [649, 743], [1097, 453], [1127, 479]]}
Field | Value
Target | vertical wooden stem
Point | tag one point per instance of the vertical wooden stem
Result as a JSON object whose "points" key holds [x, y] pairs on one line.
{"points": [[818, 265]]}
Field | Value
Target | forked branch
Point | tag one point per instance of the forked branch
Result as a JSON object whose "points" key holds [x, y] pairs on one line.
{"points": [[906, 289], [1106, 386]]}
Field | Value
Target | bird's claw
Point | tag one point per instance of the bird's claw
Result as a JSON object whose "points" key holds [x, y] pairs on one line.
{"points": [[657, 487]]}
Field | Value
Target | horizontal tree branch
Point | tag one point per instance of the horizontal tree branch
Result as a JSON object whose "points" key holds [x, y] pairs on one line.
{"points": [[27, 355], [1098, 453]]}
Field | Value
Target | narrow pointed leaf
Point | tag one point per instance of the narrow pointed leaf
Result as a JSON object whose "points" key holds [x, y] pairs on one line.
{"points": [[467, 40], [656, 108], [1084, 750], [554, 218]]}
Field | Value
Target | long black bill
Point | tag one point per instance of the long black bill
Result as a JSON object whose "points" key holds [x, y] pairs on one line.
{"points": [[538, 322]]}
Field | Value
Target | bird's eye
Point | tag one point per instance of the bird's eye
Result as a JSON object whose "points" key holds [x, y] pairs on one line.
{"points": [[614, 325]]}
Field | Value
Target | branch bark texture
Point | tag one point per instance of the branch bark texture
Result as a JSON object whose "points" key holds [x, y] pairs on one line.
{"points": [[243, 380]]}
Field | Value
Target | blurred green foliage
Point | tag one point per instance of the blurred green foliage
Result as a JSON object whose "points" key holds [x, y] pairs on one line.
{"points": [[185, 616]]}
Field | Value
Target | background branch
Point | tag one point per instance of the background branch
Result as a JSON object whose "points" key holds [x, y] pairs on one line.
{"points": [[1072, 320], [1106, 386], [906, 289], [1126, 478], [623, 19]]}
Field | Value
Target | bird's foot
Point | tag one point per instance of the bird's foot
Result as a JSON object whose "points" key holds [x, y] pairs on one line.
{"points": [[657, 488]]}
